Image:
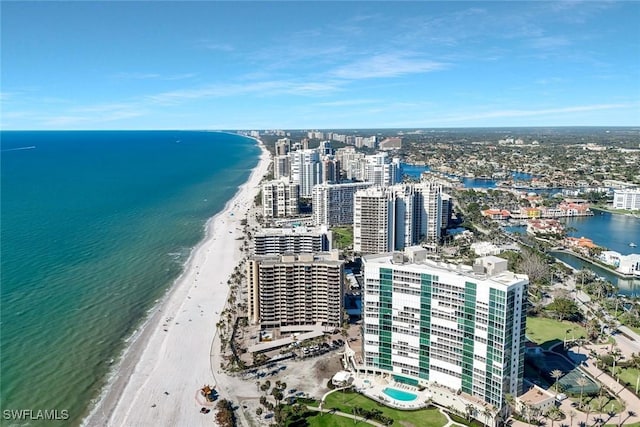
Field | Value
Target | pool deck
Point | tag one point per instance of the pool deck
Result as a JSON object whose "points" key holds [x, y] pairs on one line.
{"points": [[372, 386]]}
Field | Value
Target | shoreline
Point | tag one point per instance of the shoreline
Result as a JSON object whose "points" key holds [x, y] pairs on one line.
{"points": [[632, 214], [168, 358], [589, 261]]}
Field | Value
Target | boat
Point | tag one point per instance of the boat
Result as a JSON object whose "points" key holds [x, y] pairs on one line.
{"points": [[633, 245]]}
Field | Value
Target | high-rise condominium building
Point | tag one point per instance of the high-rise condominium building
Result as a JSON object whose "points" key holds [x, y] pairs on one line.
{"points": [[306, 170], [350, 162], [461, 327], [383, 171], [371, 225], [325, 148], [447, 207], [378, 168], [280, 199], [281, 167], [392, 218], [333, 203], [330, 170], [304, 289], [296, 240], [283, 146]]}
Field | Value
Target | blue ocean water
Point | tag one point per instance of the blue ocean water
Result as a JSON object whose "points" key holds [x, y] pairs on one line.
{"points": [[95, 226]]}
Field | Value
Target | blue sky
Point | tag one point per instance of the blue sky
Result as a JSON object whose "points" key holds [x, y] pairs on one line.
{"points": [[300, 65]]}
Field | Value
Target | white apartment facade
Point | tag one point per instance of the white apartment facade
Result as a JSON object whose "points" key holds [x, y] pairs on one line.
{"points": [[383, 171], [281, 167], [460, 327], [333, 203], [627, 199], [306, 170], [296, 240], [371, 226], [303, 289], [392, 218], [280, 198]]}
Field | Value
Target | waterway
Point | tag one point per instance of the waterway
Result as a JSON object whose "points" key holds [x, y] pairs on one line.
{"points": [[414, 171], [612, 231], [629, 287]]}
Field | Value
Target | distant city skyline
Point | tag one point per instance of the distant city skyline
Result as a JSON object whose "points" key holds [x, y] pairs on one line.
{"points": [[318, 65]]}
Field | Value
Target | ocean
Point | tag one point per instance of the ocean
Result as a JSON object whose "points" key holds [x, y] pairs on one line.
{"points": [[95, 227]]}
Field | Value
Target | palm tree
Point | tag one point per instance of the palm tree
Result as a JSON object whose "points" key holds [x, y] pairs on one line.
{"points": [[582, 382], [487, 414], [617, 355], [554, 414], [469, 410], [511, 401], [526, 412], [535, 413], [635, 360], [572, 414], [556, 374]]}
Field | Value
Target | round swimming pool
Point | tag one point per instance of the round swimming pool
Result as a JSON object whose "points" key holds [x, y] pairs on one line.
{"points": [[401, 395]]}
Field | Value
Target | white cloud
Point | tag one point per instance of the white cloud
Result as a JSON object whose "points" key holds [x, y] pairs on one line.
{"points": [[531, 113], [264, 88], [549, 42], [151, 76], [220, 47], [346, 103], [387, 65]]}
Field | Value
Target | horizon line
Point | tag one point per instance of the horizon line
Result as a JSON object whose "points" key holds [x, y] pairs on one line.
{"points": [[320, 129]]}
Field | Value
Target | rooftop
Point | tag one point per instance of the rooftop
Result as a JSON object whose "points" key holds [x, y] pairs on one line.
{"points": [[534, 396], [292, 230], [491, 266]]}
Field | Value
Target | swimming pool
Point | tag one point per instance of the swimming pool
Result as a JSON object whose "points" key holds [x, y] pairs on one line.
{"points": [[396, 394]]}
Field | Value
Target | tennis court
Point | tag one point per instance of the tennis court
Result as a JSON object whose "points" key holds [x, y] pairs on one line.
{"points": [[548, 362], [569, 383]]}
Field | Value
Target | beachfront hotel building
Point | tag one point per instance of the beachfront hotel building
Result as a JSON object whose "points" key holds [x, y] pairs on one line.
{"points": [[627, 199], [333, 203], [280, 198], [279, 241], [301, 289], [460, 328], [392, 218]]}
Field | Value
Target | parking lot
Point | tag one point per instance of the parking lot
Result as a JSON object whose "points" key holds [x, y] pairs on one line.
{"points": [[318, 349]]}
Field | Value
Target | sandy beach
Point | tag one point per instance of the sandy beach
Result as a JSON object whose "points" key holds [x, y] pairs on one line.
{"points": [[158, 380]]}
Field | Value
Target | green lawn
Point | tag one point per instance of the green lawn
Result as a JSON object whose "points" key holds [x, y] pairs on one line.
{"points": [[605, 403], [342, 237], [430, 417], [330, 420], [629, 375], [546, 332], [323, 419]]}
